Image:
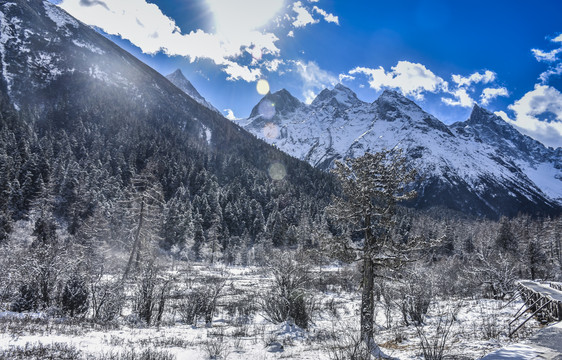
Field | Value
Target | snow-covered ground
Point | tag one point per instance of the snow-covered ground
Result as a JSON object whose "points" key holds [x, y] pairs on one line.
{"points": [[478, 326]]}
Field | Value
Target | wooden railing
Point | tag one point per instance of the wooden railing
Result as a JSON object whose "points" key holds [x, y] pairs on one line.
{"points": [[542, 300]]}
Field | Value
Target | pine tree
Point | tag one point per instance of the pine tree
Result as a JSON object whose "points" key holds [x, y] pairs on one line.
{"points": [[74, 298], [198, 236], [506, 240], [372, 185], [46, 258], [146, 202]]}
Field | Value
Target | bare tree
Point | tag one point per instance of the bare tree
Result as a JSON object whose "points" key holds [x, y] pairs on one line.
{"points": [[372, 186], [146, 203], [495, 270]]}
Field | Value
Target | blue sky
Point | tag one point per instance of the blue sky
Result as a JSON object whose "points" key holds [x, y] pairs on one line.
{"points": [[446, 55]]}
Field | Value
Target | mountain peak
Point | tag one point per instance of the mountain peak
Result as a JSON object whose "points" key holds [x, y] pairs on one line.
{"points": [[279, 102], [283, 93], [477, 110], [340, 94], [178, 78], [178, 73], [492, 129], [480, 115], [392, 100], [389, 95]]}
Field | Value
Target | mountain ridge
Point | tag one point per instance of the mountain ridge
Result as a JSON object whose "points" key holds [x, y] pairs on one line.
{"points": [[482, 165], [82, 118], [178, 78]]}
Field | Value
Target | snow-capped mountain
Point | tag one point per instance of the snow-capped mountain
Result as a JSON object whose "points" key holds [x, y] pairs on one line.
{"points": [[59, 74], [177, 78], [50, 60], [482, 166]]}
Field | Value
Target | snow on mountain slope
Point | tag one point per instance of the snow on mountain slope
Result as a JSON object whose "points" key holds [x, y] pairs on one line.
{"points": [[53, 68], [481, 166], [50, 60], [177, 78]]}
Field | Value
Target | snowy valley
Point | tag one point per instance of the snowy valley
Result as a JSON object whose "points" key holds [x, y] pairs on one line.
{"points": [[136, 222]]}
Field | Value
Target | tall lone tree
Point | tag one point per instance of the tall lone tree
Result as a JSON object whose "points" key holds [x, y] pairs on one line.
{"points": [[144, 217], [372, 186]]}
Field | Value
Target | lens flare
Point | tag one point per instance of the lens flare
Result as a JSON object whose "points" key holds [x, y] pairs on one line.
{"points": [[266, 109], [262, 87], [277, 171], [270, 131]]}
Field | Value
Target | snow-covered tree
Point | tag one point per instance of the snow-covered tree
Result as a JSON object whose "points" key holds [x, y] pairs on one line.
{"points": [[372, 185], [145, 217]]}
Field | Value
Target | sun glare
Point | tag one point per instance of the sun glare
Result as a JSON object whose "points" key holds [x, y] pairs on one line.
{"points": [[239, 16], [262, 87]]}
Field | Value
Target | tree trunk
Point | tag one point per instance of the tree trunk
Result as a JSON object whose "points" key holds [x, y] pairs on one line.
{"points": [[136, 244], [368, 283], [368, 295], [367, 300]]}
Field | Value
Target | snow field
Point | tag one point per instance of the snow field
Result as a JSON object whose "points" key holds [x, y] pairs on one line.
{"points": [[240, 331]]}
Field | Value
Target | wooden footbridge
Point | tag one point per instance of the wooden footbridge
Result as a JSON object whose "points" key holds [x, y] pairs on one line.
{"points": [[543, 300]]}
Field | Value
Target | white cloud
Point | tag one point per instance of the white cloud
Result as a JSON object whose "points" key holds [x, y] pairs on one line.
{"points": [[539, 114], [411, 78], [314, 79], [144, 25], [309, 96], [345, 77], [555, 67], [488, 94], [552, 71], [291, 34], [327, 16], [273, 65], [232, 17], [487, 77], [236, 71], [229, 114], [503, 115], [464, 89], [549, 56], [303, 16], [462, 99]]}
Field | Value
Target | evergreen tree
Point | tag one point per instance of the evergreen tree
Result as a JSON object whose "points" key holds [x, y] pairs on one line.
{"points": [[145, 217], [372, 185], [505, 239], [74, 298]]}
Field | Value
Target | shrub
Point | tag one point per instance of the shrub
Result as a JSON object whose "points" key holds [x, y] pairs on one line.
{"points": [[417, 295], [349, 347], [201, 303], [217, 348], [74, 298], [38, 351], [131, 354], [26, 299], [288, 299], [433, 343]]}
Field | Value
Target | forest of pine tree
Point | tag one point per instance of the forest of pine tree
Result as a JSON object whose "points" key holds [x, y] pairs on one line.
{"points": [[84, 178]]}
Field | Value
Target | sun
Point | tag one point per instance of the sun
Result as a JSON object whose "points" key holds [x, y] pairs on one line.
{"points": [[234, 17]]}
